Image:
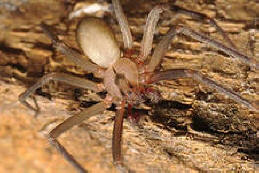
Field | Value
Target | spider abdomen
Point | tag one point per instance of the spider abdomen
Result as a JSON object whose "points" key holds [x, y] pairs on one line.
{"points": [[98, 42]]}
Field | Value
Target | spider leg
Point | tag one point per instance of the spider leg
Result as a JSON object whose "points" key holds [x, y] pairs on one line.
{"points": [[195, 75], [159, 52], [62, 77], [117, 139], [123, 22], [202, 17], [149, 31], [69, 123], [71, 54], [117, 135], [229, 51], [162, 47], [153, 17], [62, 150]]}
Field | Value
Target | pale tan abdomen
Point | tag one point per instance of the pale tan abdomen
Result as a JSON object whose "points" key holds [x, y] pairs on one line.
{"points": [[98, 42]]}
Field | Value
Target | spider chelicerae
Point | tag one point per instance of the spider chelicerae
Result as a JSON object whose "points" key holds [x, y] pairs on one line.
{"points": [[126, 78]]}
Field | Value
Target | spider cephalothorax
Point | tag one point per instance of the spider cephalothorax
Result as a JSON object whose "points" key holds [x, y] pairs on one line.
{"points": [[126, 79]]}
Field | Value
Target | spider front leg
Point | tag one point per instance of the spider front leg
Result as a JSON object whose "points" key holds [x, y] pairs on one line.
{"points": [[123, 22], [117, 139], [163, 45], [202, 17], [195, 75], [74, 81], [69, 123], [117, 135], [152, 20], [149, 31]]}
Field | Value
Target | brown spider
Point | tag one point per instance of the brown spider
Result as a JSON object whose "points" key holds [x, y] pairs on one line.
{"points": [[126, 79]]}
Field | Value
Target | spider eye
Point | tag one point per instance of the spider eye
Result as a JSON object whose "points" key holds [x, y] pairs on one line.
{"points": [[97, 41]]}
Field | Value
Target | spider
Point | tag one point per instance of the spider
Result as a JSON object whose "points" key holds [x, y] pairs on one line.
{"points": [[125, 78]]}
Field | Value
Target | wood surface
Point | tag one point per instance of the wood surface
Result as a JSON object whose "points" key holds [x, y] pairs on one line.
{"points": [[193, 128]]}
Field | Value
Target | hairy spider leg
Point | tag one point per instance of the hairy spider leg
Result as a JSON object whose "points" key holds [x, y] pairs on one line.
{"points": [[69, 123], [62, 150], [195, 75], [162, 47], [117, 135], [149, 31], [62, 77], [124, 26], [117, 139], [204, 17], [152, 20]]}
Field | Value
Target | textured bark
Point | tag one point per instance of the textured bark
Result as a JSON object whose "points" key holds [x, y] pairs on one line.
{"points": [[193, 128]]}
